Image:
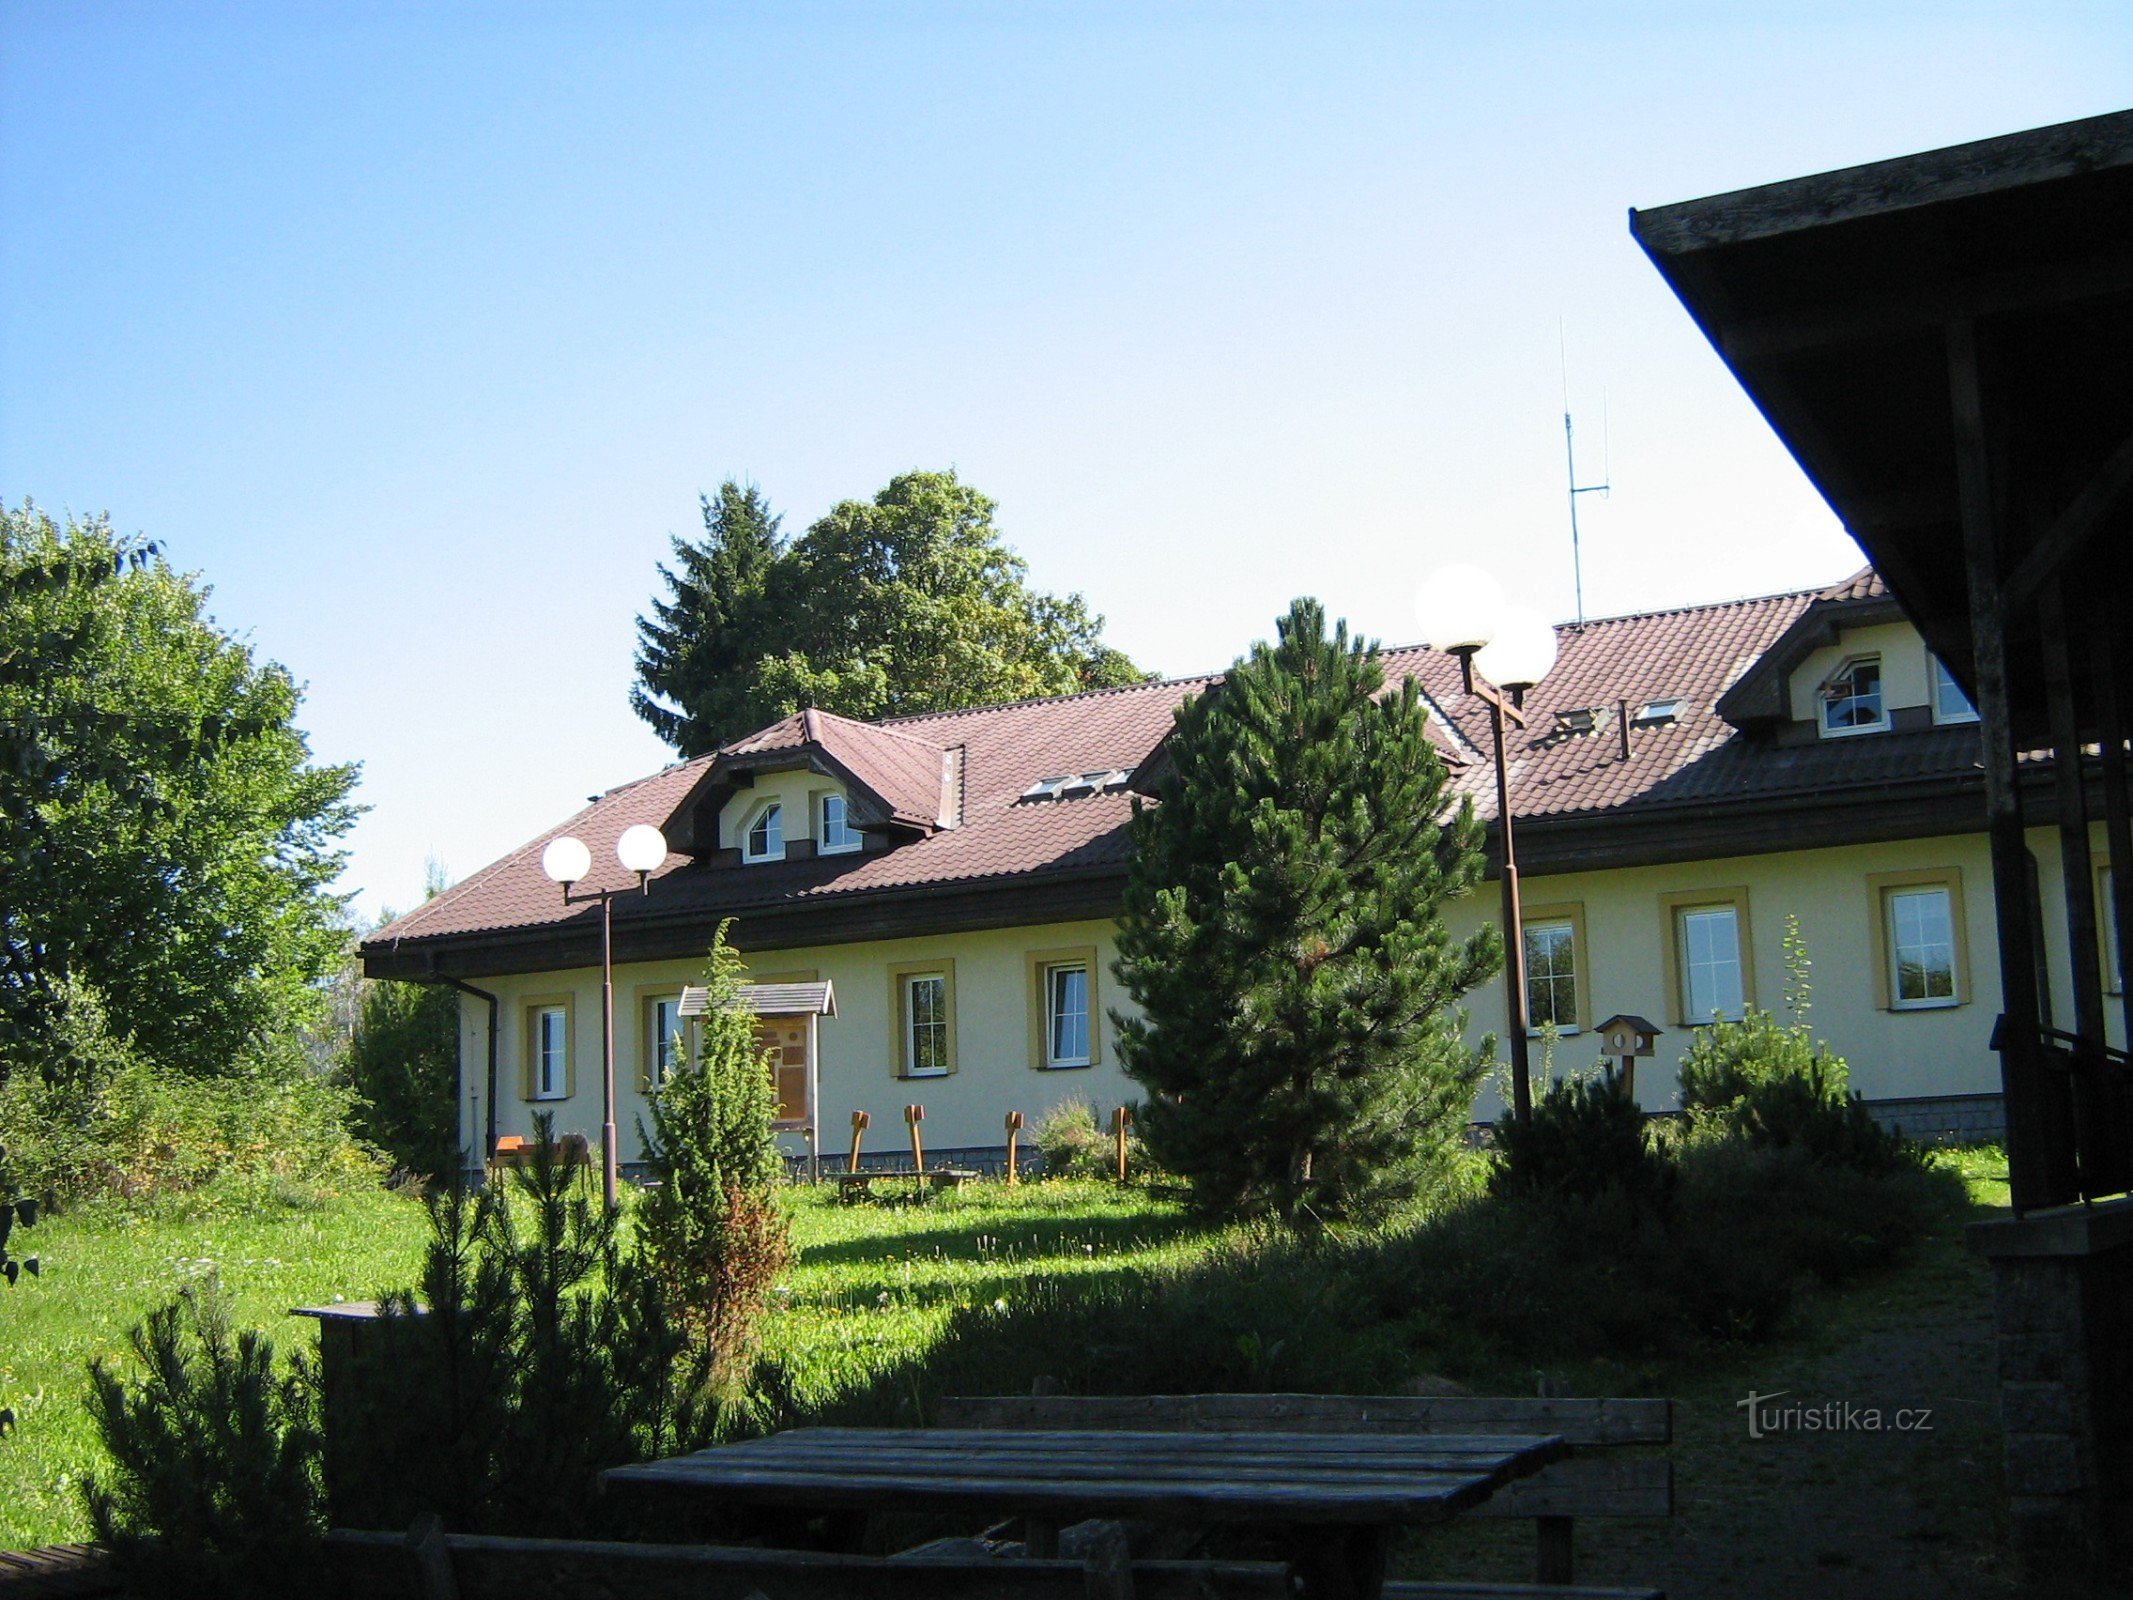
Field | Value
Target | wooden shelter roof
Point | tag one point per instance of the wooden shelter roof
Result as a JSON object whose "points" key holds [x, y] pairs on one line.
{"points": [[1837, 301]]}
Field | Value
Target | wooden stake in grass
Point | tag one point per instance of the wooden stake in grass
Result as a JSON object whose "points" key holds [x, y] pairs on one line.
{"points": [[860, 1123], [914, 1115], [1119, 1121], [1014, 1129]]}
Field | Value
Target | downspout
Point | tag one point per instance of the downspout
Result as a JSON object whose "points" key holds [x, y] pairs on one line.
{"points": [[489, 1101]]}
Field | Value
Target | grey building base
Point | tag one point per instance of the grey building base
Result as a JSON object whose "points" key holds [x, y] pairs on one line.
{"points": [[1945, 1118], [2063, 1316]]}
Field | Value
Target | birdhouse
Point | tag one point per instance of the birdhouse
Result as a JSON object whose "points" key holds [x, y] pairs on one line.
{"points": [[1628, 1035]]}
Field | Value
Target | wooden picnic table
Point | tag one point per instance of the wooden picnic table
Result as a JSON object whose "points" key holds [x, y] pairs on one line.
{"points": [[1334, 1497]]}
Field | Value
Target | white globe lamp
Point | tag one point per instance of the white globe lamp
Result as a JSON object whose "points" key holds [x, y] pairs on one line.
{"points": [[1522, 651], [1457, 608], [566, 860], [642, 848]]}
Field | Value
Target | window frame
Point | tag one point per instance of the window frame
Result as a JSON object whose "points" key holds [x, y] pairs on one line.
{"points": [[1881, 698], [1039, 965], [823, 847], [1937, 673], [1672, 906], [900, 976], [755, 819], [1879, 887], [1573, 913], [2107, 932], [648, 996], [531, 1008]]}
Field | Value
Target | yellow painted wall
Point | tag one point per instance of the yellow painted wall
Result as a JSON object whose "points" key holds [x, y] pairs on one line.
{"points": [[1622, 966], [859, 1048], [795, 790]]}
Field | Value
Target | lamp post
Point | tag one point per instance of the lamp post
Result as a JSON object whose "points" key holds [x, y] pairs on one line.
{"points": [[1462, 612], [642, 849]]}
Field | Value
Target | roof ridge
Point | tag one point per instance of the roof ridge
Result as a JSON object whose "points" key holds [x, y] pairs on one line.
{"points": [[1048, 699]]}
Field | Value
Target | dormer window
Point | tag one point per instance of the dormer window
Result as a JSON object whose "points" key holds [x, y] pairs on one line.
{"points": [[1851, 699], [765, 838], [1950, 704], [836, 834]]}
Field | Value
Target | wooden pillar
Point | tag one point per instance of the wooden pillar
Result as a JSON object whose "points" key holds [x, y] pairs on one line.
{"points": [[2039, 1165], [2100, 1122], [2117, 816]]}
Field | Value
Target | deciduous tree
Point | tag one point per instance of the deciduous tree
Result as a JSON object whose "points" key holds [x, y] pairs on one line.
{"points": [[908, 602]]}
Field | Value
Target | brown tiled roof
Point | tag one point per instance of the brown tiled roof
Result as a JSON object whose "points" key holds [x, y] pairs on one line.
{"points": [[1865, 584], [910, 773], [1691, 654]]}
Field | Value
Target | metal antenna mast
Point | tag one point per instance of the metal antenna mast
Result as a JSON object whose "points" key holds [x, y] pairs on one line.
{"points": [[1570, 457]]}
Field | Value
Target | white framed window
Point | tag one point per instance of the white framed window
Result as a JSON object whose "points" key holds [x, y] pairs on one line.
{"points": [[1551, 976], [1921, 933], [663, 1038], [1950, 704], [764, 839], [834, 832], [1851, 699], [1710, 963], [1066, 1015], [925, 1024], [551, 1052]]}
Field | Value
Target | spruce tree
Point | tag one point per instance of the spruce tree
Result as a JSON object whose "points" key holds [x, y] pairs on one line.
{"points": [[696, 653], [1300, 1031], [711, 1226]]}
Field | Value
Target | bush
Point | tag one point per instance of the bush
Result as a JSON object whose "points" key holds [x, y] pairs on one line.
{"points": [[402, 1062], [1073, 1143], [89, 1116], [544, 1354], [711, 1227], [1730, 1060], [1586, 1138], [1804, 1112], [215, 1487]]}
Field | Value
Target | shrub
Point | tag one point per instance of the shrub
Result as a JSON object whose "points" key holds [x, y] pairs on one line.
{"points": [[711, 1228], [402, 1062], [1585, 1138], [89, 1116], [1806, 1113], [214, 1488], [1730, 1060], [544, 1355], [1074, 1144]]}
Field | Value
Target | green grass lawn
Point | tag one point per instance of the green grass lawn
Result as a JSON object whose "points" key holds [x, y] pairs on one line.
{"points": [[105, 1267], [877, 1292]]}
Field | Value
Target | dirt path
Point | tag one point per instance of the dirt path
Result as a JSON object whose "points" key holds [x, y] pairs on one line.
{"points": [[1848, 1514]]}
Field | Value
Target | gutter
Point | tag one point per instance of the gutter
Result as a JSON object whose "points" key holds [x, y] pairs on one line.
{"points": [[489, 1099]]}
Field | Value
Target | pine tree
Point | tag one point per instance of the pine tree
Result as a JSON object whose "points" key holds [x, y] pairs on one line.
{"points": [[696, 653], [1300, 1033]]}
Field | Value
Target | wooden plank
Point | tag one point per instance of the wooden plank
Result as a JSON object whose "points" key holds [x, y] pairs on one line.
{"points": [[1932, 177], [1579, 1421], [2083, 515], [374, 1565], [1514, 1591], [1587, 1488], [964, 1443]]}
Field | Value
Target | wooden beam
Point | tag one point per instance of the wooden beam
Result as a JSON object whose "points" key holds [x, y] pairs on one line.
{"points": [[2117, 812], [1933, 177], [1926, 309], [2084, 514], [2039, 1159]]}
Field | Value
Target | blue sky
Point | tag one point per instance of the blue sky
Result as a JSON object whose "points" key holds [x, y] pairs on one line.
{"points": [[416, 330]]}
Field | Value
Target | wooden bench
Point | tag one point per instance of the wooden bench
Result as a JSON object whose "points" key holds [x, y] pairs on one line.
{"points": [[858, 1185], [1552, 1498], [427, 1564]]}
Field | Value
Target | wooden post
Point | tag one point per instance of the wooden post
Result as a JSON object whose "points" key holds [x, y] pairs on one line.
{"points": [[860, 1123], [1628, 1074], [1119, 1120], [1014, 1130], [914, 1115]]}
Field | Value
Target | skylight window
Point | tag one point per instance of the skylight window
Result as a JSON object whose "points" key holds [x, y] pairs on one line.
{"points": [[1076, 785], [1659, 713], [1582, 720]]}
